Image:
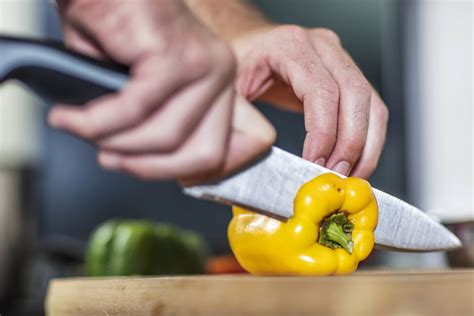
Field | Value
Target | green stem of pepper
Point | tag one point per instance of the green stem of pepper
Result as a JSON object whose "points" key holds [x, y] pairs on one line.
{"points": [[336, 234], [336, 231]]}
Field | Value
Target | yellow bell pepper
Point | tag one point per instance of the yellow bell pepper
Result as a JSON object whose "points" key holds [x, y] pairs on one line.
{"points": [[332, 229]]}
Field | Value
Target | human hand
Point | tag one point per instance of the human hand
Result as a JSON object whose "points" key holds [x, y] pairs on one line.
{"points": [[174, 119], [308, 69]]}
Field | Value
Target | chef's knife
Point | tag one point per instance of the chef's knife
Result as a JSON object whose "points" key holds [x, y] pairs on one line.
{"points": [[270, 185], [267, 186]]}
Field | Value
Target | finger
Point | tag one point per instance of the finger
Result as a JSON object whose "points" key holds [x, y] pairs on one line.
{"points": [[168, 127], [77, 41], [281, 95], [140, 30], [254, 81], [354, 107], [375, 138], [252, 135], [110, 114], [304, 71], [201, 154]]}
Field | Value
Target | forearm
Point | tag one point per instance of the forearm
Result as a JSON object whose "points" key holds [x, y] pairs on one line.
{"points": [[229, 18]]}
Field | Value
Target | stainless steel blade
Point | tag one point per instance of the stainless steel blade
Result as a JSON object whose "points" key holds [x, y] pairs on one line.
{"points": [[270, 185]]}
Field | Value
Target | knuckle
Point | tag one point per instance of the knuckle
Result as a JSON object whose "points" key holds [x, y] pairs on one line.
{"points": [[132, 111], [133, 107], [126, 113], [354, 146], [329, 86], [359, 85], [326, 139], [327, 89], [291, 32], [323, 141], [330, 35], [197, 60]]}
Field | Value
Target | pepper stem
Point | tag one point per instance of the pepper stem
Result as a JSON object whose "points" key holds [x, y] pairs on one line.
{"points": [[335, 232]]}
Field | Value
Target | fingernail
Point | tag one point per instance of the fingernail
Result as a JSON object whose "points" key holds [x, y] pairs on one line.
{"points": [[342, 167], [321, 162], [109, 161]]}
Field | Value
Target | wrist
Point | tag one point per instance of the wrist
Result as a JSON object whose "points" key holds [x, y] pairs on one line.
{"points": [[249, 29], [245, 36], [229, 19]]}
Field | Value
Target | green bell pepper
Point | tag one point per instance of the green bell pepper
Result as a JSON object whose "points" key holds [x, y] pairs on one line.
{"points": [[138, 247]]}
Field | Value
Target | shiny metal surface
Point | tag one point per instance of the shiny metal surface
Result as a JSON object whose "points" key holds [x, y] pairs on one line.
{"points": [[269, 186]]}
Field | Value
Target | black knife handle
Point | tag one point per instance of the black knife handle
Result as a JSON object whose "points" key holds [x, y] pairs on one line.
{"points": [[56, 73]]}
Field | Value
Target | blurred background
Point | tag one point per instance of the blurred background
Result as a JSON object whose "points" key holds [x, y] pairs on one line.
{"points": [[417, 54]]}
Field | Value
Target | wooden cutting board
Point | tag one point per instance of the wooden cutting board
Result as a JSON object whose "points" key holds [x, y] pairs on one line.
{"points": [[363, 293]]}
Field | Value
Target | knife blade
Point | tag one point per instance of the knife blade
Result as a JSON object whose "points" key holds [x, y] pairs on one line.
{"points": [[58, 74], [270, 184]]}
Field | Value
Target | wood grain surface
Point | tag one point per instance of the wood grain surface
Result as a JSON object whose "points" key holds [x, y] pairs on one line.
{"points": [[363, 293]]}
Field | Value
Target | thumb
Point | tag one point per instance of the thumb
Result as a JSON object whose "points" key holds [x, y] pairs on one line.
{"points": [[252, 135]]}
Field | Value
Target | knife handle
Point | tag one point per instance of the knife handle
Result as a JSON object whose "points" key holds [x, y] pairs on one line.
{"points": [[56, 73]]}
